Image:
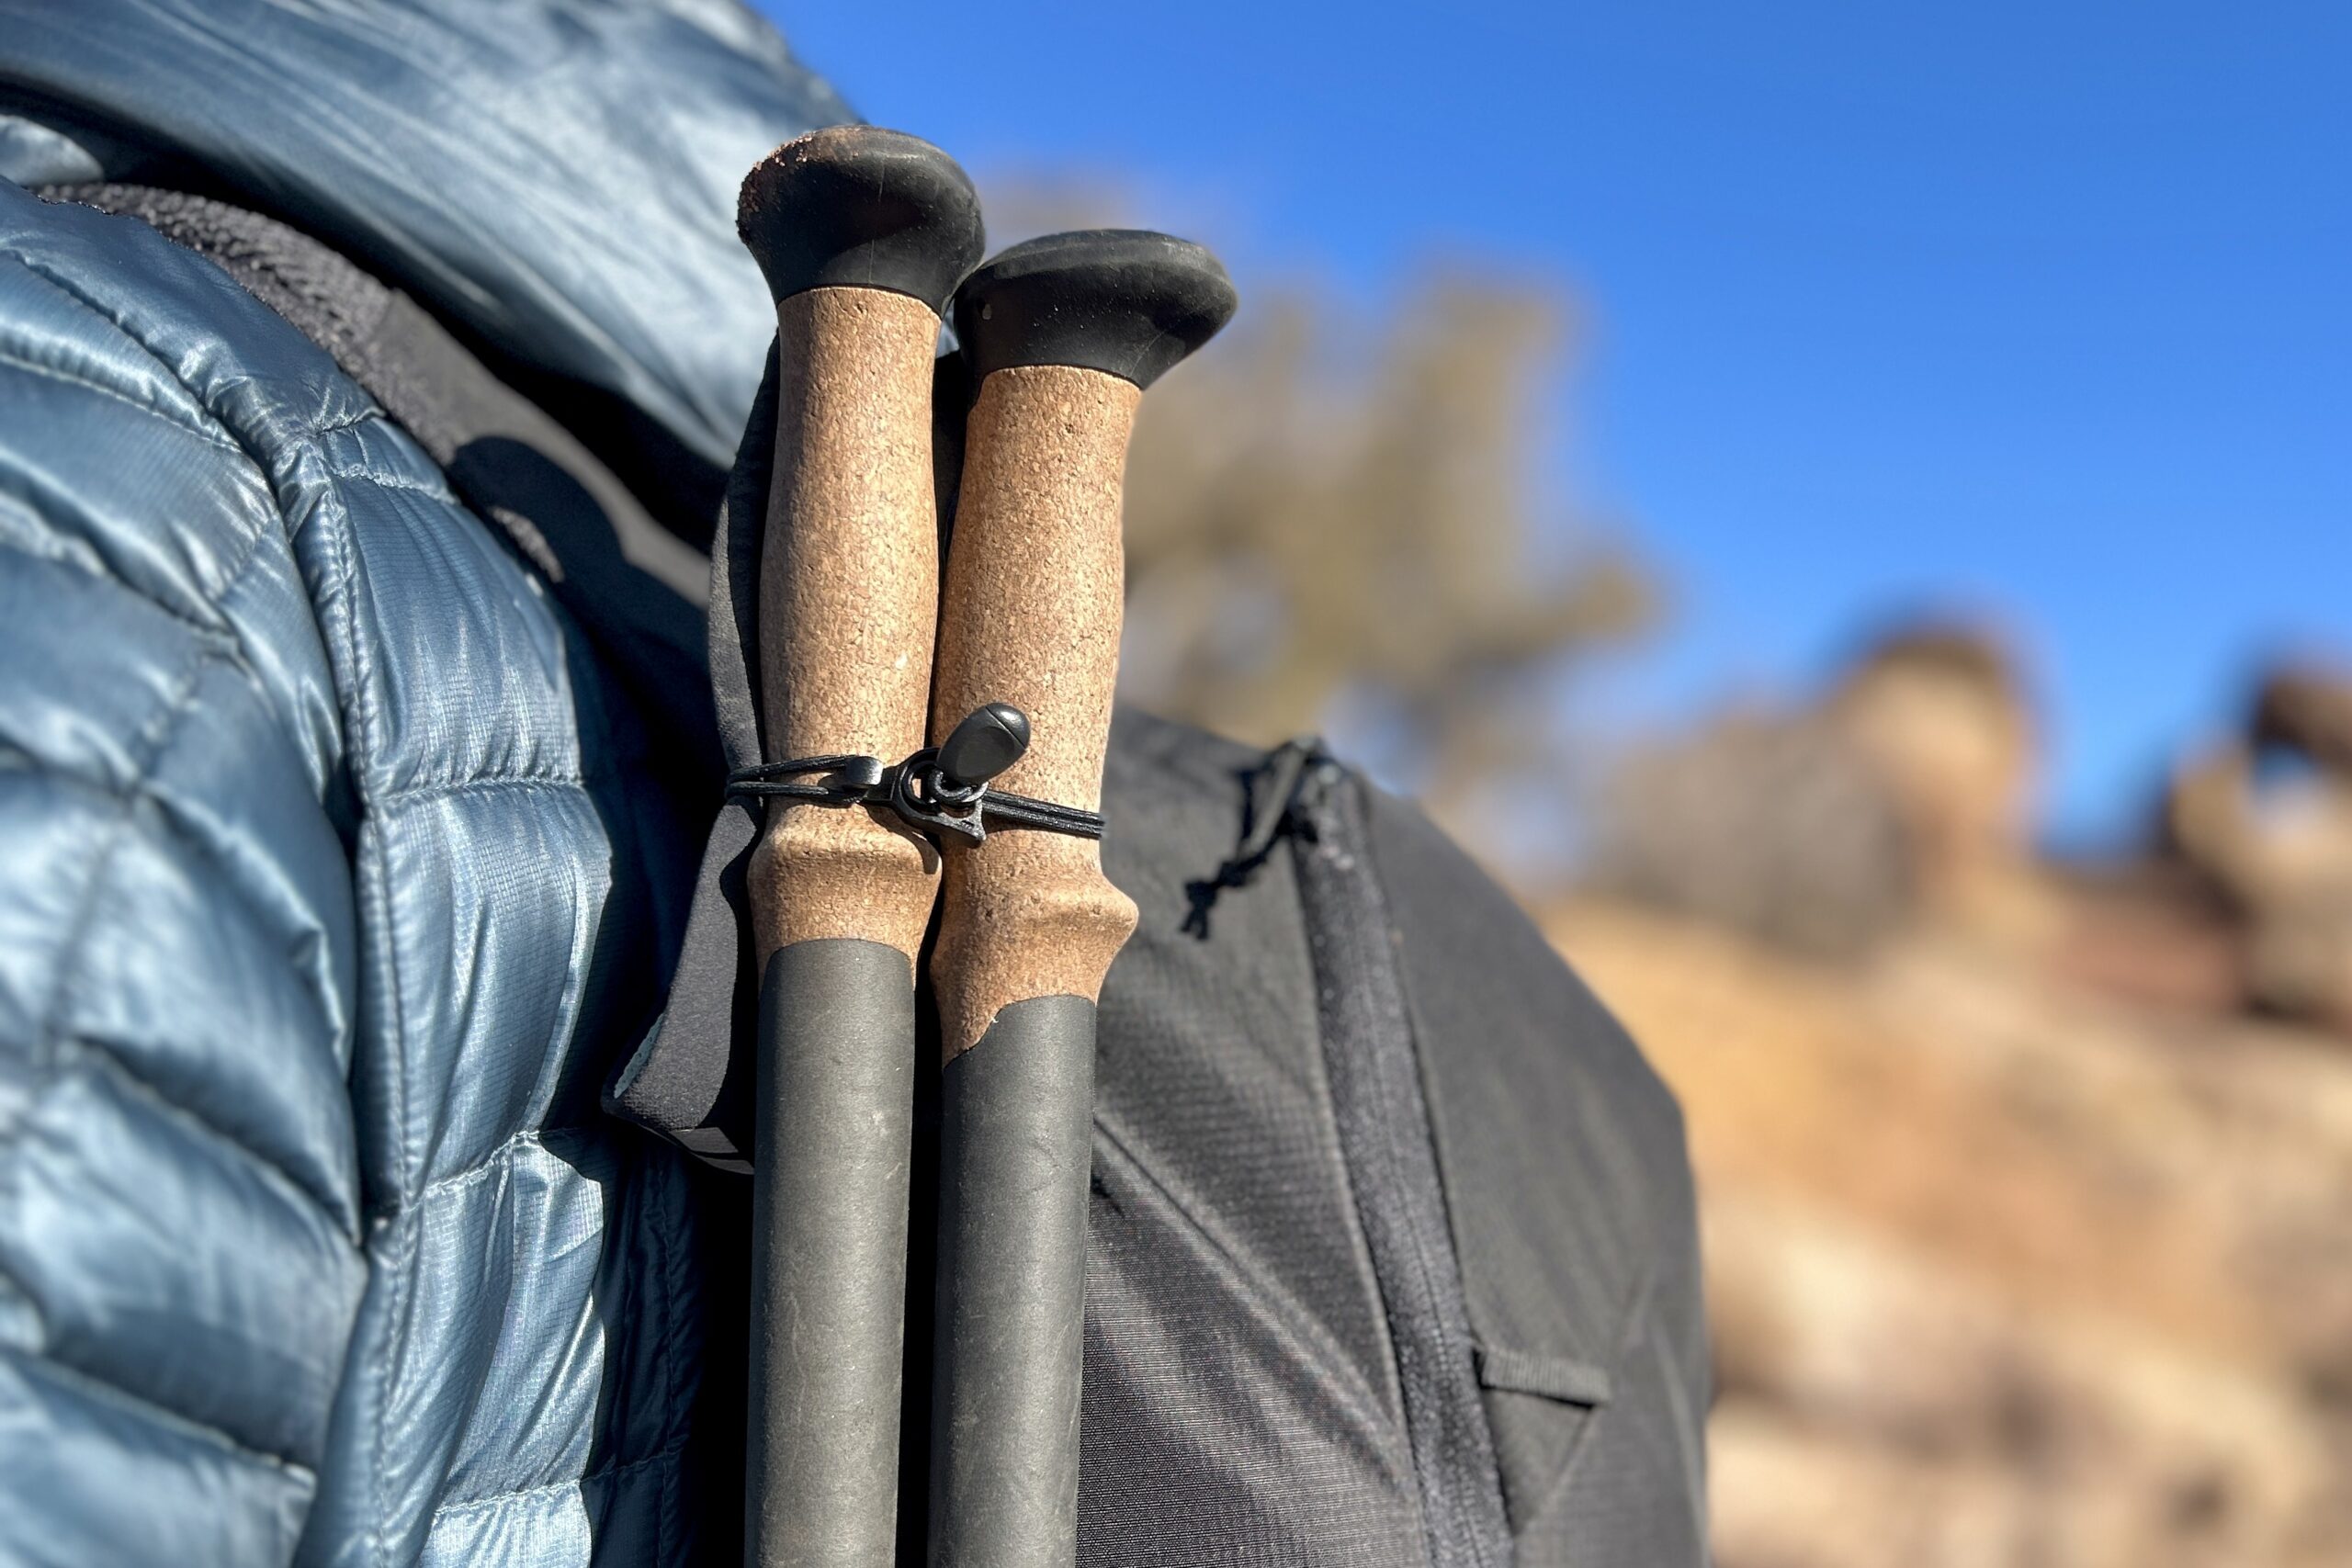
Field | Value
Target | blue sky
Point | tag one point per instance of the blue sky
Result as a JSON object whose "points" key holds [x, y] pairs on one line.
{"points": [[2041, 309]]}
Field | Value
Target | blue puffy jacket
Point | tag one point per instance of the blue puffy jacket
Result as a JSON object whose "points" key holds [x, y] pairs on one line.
{"points": [[313, 1244]]}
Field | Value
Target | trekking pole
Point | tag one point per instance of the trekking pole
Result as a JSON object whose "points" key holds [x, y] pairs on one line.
{"points": [[862, 234], [1061, 335]]}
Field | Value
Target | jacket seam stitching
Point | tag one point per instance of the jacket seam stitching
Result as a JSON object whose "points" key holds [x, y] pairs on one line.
{"points": [[225, 641], [467, 1175], [210, 437], [375, 481], [311, 430], [362, 721], [305, 439], [111, 1060], [666, 1455], [402, 796], [369, 415], [396, 1039], [231, 583], [50, 1029], [226, 434], [476, 1169], [95, 1386]]}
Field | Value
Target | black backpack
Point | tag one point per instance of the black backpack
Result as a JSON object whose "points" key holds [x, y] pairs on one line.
{"points": [[1392, 1256]]}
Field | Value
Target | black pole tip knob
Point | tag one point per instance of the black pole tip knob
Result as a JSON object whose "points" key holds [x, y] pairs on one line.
{"points": [[990, 739], [858, 206], [1125, 302]]}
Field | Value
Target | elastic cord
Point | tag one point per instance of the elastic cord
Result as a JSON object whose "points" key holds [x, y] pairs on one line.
{"points": [[912, 790]]}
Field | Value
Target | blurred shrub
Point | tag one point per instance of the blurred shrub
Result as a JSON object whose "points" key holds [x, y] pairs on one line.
{"points": [[1334, 529]]}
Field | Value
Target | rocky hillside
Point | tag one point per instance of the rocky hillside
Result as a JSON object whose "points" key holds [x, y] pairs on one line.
{"points": [[2003, 1272], [2029, 1239]]}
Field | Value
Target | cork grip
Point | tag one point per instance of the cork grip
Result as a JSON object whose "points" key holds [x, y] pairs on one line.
{"points": [[1030, 615], [848, 592]]}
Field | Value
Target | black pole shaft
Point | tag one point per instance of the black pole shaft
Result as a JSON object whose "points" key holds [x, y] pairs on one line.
{"points": [[1015, 1153], [829, 1254]]}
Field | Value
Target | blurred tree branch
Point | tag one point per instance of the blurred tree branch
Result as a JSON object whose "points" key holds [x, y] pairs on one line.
{"points": [[1308, 526]]}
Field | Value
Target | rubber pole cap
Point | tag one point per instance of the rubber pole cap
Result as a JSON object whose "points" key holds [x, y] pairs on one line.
{"points": [[858, 206], [1125, 302]]}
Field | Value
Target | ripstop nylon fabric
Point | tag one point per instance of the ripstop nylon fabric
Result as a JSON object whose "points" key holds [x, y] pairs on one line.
{"points": [[308, 783], [1244, 1394]]}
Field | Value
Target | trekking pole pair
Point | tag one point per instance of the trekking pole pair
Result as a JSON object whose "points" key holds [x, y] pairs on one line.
{"points": [[865, 237]]}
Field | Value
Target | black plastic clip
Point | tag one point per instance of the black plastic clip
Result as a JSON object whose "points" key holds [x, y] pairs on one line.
{"points": [[922, 795], [939, 790]]}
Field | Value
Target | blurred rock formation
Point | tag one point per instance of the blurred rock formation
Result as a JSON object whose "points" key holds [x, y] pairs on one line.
{"points": [[1903, 797], [1941, 716], [1904, 794], [2028, 1238], [2265, 820]]}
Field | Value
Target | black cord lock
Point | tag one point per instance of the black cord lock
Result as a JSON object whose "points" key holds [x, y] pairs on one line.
{"points": [[939, 790]]}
